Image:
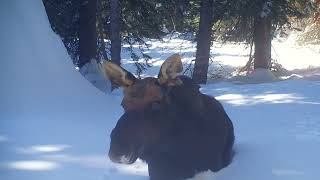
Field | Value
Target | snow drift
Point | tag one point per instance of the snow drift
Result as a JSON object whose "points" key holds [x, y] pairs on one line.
{"points": [[54, 123]]}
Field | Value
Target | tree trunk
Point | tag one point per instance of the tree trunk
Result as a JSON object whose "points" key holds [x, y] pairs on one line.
{"points": [[87, 32], [203, 42], [178, 15], [115, 31], [262, 40], [317, 14]]}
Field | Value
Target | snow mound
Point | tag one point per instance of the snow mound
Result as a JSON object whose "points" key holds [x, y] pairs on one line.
{"points": [[258, 76], [93, 72], [36, 70], [310, 73], [46, 105]]}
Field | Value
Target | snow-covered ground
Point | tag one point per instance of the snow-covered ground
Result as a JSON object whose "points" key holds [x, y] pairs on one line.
{"points": [[55, 125], [225, 57]]}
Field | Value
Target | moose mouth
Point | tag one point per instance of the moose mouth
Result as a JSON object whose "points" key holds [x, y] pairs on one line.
{"points": [[123, 159], [128, 158]]}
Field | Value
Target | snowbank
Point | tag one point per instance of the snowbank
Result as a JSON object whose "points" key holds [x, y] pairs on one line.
{"points": [[95, 74], [36, 70], [54, 123], [257, 76]]}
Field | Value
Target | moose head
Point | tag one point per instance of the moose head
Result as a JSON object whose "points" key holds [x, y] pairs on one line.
{"points": [[144, 100]]}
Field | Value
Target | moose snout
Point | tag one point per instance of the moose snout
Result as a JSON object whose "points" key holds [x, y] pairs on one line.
{"points": [[122, 159]]}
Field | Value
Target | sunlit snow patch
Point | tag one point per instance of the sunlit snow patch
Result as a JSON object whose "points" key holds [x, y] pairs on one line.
{"points": [[207, 175], [50, 148], [239, 99], [90, 161], [33, 165], [286, 172]]}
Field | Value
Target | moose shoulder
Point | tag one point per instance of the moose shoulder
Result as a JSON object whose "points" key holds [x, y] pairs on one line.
{"points": [[169, 124]]}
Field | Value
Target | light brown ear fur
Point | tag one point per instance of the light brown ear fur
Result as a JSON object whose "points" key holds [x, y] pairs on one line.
{"points": [[170, 69], [117, 74]]}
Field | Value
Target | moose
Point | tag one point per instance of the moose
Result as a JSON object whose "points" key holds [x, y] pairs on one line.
{"points": [[169, 124]]}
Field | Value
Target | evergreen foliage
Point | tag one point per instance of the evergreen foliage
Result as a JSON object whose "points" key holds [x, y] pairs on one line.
{"points": [[239, 17], [233, 20]]}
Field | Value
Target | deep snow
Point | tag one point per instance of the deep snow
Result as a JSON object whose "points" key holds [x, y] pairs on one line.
{"points": [[55, 125]]}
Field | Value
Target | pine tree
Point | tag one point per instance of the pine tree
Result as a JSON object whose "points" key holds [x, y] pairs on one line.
{"points": [[64, 17], [262, 36], [203, 42], [140, 19], [257, 21]]}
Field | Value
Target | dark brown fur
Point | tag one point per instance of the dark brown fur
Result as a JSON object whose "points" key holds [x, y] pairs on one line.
{"points": [[177, 130]]}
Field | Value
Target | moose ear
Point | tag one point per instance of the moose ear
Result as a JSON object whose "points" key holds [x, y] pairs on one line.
{"points": [[169, 71], [117, 74]]}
